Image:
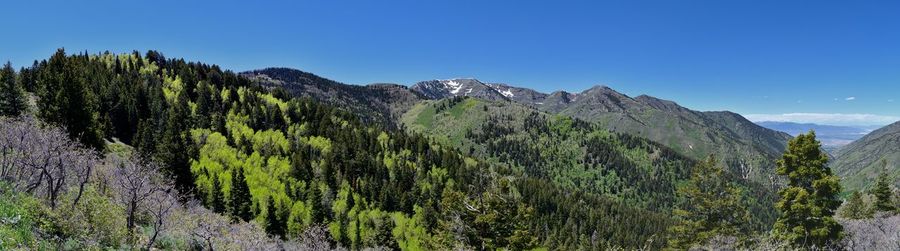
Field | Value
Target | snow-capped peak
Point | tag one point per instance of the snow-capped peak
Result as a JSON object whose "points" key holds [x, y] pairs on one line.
{"points": [[453, 86]]}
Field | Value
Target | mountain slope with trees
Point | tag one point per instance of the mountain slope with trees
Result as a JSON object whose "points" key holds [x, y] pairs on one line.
{"points": [[744, 146], [256, 154], [379, 103], [860, 162], [571, 153]]}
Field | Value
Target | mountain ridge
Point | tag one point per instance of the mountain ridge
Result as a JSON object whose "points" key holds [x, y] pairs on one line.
{"points": [[690, 132]]}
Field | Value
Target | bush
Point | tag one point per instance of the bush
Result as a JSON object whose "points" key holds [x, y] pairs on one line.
{"points": [[96, 221], [19, 219]]}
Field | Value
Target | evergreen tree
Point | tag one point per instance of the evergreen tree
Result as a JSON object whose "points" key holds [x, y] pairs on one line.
{"points": [[274, 222], [882, 191], [240, 196], [855, 207], [808, 203], [216, 200], [172, 149], [711, 207], [12, 97], [67, 99]]}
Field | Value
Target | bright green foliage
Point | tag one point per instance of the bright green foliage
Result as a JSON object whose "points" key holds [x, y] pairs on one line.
{"points": [[12, 96], [855, 207], [21, 216], [711, 207], [95, 220], [883, 194], [409, 232], [809, 201]]}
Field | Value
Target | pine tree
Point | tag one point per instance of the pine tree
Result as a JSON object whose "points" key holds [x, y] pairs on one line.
{"points": [[12, 97], [809, 201], [882, 191], [855, 207], [314, 200], [274, 221], [240, 196], [67, 100], [711, 207], [216, 200]]}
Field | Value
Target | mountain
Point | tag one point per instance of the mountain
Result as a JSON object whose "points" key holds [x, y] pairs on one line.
{"points": [[858, 163], [740, 143], [571, 153], [832, 137], [439, 89], [381, 103]]}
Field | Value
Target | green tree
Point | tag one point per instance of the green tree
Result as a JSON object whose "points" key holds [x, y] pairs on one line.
{"points": [[809, 201], [67, 99], [855, 207], [711, 207], [216, 200], [882, 191], [12, 97], [240, 196], [275, 224]]}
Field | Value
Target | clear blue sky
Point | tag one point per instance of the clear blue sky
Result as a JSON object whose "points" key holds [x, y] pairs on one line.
{"points": [[751, 57]]}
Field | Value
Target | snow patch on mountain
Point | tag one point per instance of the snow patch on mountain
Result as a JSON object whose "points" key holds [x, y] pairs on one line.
{"points": [[456, 86], [508, 93]]}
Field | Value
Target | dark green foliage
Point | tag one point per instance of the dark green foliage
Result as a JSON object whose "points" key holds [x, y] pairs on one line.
{"points": [[68, 93], [809, 201], [216, 199], [275, 221], [239, 202], [882, 190], [612, 174], [710, 207], [12, 96]]}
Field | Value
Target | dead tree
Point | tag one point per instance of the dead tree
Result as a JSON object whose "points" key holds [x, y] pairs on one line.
{"points": [[42, 160]]}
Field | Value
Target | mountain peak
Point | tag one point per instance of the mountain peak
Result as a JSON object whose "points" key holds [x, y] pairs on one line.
{"points": [[438, 89]]}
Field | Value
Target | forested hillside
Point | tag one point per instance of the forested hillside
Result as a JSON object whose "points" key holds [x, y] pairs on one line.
{"points": [[573, 154], [139, 151], [744, 147], [287, 164], [379, 103]]}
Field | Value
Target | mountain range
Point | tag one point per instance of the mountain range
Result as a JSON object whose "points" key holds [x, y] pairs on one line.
{"points": [[748, 148], [742, 144]]}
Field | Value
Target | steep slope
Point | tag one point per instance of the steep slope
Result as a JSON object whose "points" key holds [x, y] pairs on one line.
{"points": [[858, 163], [572, 153], [380, 103], [743, 145]]}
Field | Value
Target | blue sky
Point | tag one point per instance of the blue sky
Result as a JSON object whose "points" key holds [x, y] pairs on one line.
{"points": [[769, 59]]}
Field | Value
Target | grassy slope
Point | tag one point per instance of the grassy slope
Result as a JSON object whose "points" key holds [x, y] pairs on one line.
{"points": [[696, 135]]}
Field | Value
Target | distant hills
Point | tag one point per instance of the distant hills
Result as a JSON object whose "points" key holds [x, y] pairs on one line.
{"points": [[832, 137]]}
